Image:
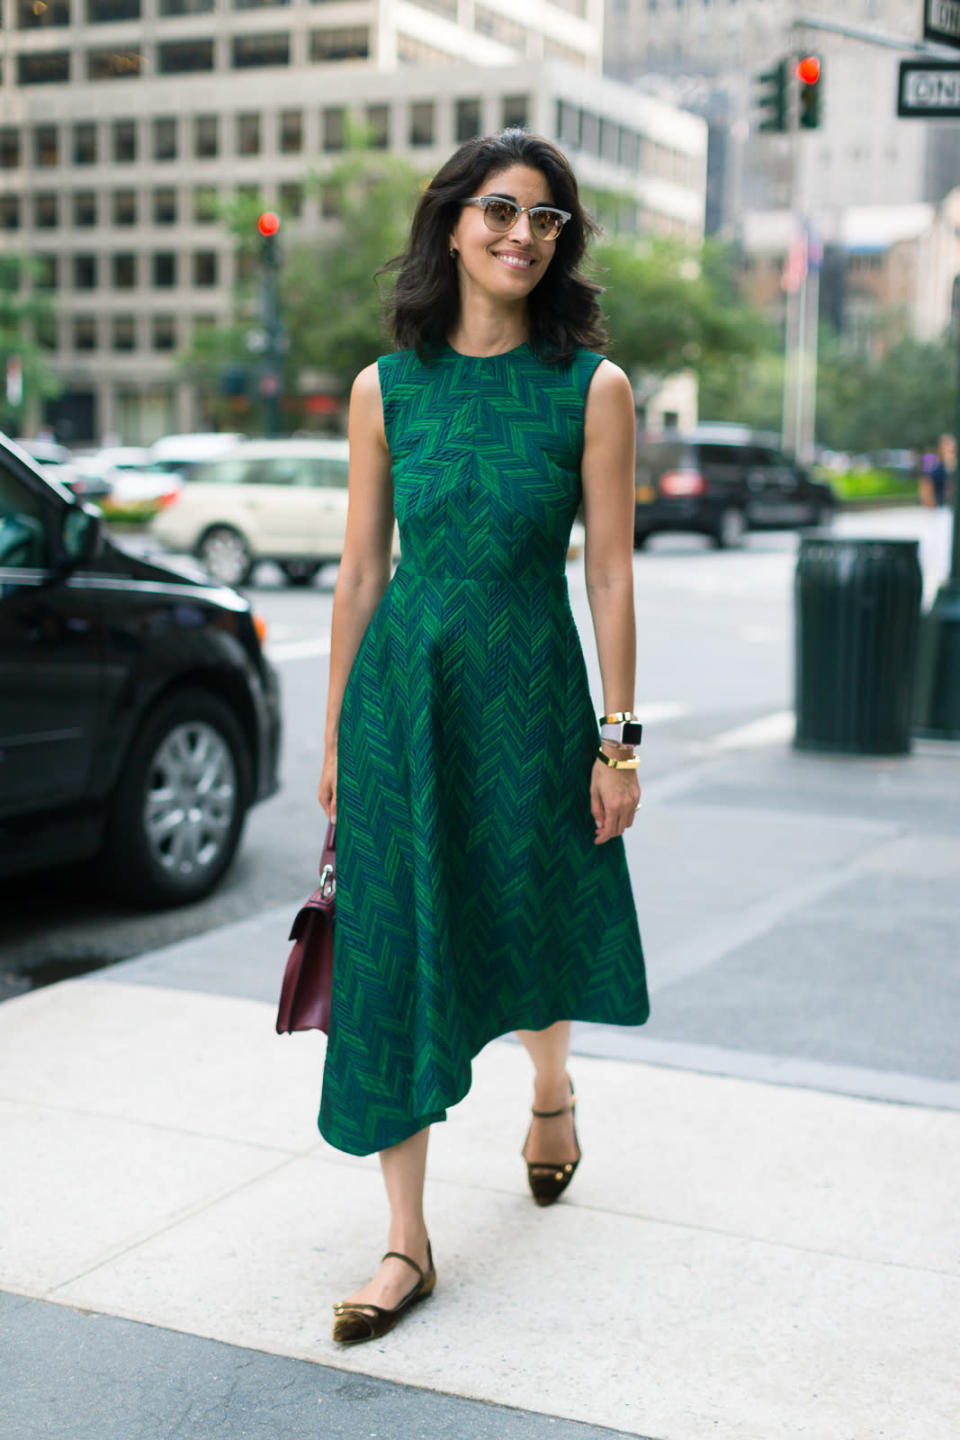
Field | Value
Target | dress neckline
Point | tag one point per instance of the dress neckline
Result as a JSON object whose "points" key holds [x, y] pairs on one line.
{"points": [[498, 355]]}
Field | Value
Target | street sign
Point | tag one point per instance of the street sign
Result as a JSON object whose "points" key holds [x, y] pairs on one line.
{"points": [[929, 89], [941, 22]]}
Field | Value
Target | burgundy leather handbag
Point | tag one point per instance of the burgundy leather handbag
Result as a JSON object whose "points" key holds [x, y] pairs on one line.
{"points": [[305, 993]]}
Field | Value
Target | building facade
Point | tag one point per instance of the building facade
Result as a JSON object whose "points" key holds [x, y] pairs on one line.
{"points": [[123, 122], [707, 53]]}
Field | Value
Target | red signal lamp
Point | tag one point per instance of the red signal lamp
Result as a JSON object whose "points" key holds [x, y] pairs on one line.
{"points": [[268, 223], [809, 70]]}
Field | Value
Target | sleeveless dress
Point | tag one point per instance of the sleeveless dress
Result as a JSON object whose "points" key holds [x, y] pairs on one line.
{"points": [[471, 898]]}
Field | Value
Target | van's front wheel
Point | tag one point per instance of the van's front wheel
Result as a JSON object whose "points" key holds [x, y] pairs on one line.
{"points": [[225, 553]]}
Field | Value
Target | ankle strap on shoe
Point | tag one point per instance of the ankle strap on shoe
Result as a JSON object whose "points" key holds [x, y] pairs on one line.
{"points": [[396, 1255]]}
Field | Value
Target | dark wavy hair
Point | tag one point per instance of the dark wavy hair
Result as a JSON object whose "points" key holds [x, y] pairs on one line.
{"points": [[563, 308]]}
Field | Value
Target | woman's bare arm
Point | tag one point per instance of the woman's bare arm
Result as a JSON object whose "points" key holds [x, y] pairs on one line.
{"points": [[608, 510], [365, 568]]}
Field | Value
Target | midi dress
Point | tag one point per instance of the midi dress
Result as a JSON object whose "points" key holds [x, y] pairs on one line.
{"points": [[471, 897]]}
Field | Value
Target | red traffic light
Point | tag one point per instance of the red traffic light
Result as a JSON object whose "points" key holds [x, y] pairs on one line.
{"points": [[809, 70], [268, 223]]}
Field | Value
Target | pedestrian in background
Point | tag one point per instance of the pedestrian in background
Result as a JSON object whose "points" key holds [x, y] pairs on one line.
{"points": [[482, 884]]}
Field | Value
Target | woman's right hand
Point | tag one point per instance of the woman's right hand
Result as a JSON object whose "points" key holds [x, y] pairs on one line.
{"points": [[327, 791]]}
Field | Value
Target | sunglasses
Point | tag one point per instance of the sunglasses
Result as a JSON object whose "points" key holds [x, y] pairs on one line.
{"points": [[500, 215]]}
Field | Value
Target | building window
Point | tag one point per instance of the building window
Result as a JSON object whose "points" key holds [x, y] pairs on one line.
{"points": [[515, 112], [568, 124], [257, 50], [84, 209], [206, 137], [165, 139], [45, 272], [46, 212], [125, 271], [46, 329], [590, 132], [467, 120], [334, 128], [291, 200], [248, 135], [205, 204], [422, 122], [164, 270], [179, 57], [33, 13], [124, 207], [185, 7], [114, 64], [85, 144], [291, 132], [46, 145], [164, 332], [84, 332], [164, 207], [629, 149], [102, 12], [43, 67], [378, 126], [84, 272], [9, 212], [9, 147], [205, 268], [350, 42], [249, 195], [124, 332], [415, 52], [609, 141], [124, 141]]}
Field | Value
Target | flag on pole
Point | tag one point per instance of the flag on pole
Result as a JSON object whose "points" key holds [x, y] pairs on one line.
{"points": [[797, 261]]}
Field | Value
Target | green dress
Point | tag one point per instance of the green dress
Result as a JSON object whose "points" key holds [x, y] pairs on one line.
{"points": [[471, 898]]}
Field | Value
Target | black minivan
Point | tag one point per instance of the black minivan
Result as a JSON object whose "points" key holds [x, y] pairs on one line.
{"points": [[720, 481], [139, 717]]}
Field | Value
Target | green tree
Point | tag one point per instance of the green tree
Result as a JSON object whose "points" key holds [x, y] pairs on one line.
{"points": [[903, 401], [670, 307], [332, 300], [24, 315]]}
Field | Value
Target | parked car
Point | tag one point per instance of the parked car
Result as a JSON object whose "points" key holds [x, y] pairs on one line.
{"points": [[183, 452], [281, 500], [720, 481], [46, 452], [139, 717]]}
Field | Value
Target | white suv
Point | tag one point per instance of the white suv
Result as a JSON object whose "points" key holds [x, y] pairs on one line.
{"points": [[281, 500]]}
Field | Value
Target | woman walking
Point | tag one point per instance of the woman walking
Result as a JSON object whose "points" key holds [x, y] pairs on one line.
{"points": [[481, 878]]}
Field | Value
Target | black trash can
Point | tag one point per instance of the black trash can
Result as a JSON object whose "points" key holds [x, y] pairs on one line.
{"points": [[856, 621]]}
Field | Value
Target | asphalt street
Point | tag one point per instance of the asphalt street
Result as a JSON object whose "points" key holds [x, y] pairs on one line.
{"points": [[714, 666]]}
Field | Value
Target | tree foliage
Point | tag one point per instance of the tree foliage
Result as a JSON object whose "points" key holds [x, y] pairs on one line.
{"points": [[22, 314], [670, 307]]}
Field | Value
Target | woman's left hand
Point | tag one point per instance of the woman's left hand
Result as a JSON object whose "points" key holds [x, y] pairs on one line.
{"points": [[614, 800]]}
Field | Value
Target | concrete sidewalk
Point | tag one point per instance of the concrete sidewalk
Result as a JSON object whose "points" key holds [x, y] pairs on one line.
{"points": [[763, 1240]]}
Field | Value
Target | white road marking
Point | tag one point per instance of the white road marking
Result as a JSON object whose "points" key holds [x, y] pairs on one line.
{"points": [[768, 730]]}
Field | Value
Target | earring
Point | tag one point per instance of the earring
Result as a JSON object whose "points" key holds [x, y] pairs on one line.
{"points": [[453, 253]]}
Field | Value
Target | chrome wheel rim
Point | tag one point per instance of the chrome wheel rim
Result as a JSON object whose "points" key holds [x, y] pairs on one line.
{"points": [[190, 801], [225, 555]]}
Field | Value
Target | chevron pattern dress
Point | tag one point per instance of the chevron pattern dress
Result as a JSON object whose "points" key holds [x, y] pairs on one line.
{"points": [[471, 898]]}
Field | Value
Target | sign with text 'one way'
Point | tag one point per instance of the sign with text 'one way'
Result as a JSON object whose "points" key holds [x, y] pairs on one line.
{"points": [[941, 22], [929, 89]]}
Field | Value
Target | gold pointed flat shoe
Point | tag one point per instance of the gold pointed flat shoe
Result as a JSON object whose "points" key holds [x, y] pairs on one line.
{"points": [[548, 1182], [355, 1323]]}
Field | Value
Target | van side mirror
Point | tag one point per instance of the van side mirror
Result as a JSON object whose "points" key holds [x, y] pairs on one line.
{"points": [[79, 536]]}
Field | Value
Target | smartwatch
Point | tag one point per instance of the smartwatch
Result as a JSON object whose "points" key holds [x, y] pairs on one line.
{"points": [[622, 728]]}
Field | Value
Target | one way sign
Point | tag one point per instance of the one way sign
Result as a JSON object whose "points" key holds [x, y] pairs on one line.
{"points": [[929, 90], [941, 22]]}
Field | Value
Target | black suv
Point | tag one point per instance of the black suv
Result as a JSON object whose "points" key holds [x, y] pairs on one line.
{"points": [[139, 718], [721, 481]]}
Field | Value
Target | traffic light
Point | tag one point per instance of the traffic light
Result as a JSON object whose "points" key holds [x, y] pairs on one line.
{"points": [[268, 224], [772, 98], [810, 75]]}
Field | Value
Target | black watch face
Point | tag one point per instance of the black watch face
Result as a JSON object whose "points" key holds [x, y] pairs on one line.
{"points": [[632, 732]]}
